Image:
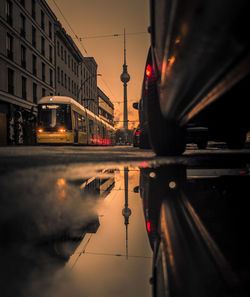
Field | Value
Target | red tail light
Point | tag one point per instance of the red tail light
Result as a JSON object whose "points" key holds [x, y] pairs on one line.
{"points": [[61, 130], [148, 70], [137, 132], [148, 226]]}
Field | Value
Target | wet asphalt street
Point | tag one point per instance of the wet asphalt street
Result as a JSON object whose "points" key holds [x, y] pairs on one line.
{"points": [[83, 221]]}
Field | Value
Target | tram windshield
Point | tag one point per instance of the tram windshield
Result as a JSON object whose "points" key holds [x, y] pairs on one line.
{"points": [[54, 116]]}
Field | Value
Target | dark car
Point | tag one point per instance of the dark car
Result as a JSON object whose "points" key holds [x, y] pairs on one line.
{"points": [[194, 133], [136, 136], [197, 72]]}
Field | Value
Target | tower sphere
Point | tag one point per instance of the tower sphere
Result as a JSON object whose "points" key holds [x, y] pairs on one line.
{"points": [[125, 77]]}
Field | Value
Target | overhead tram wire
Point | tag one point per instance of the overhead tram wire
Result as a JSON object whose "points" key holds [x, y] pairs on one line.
{"points": [[79, 39], [98, 36], [111, 35]]}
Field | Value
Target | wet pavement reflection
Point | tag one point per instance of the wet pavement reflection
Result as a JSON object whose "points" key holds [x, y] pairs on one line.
{"points": [[138, 229], [73, 231]]}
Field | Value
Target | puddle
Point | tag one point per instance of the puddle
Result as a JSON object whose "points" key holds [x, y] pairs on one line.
{"points": [[79, 231], [86, 230]]}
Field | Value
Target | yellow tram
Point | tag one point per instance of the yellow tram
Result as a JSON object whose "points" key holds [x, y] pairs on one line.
{"points": [[63, 120]]}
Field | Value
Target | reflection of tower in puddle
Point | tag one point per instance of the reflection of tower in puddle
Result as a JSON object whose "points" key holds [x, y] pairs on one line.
{"points": [[126, 212]]}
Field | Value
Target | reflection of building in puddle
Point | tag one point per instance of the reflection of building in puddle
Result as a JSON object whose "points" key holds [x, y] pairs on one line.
{"points": [[43, 225], [90, 190], [96, 186]]}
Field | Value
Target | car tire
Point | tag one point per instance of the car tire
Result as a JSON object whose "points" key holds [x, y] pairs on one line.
{"points": [[202, 144], [144, 141], [166, 137], [236, 140]]}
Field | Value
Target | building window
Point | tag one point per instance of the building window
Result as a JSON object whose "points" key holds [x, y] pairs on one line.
{"points": [[43, 92], [34, 93], [69, 83], [34, 68], [42, 20], [23, 25], [50, 53], [23, 56], [10, 81], [65, 57], [33, 9], [51, 77], [58, 74], [69, 61], [72, 64], [9, 46], [9, 8], [43, 72], [24, 87], [72, 86], [50, 30], [58, 49], [61, 77], [61, 52], [65, 81], [42, 46], [33, 36]]}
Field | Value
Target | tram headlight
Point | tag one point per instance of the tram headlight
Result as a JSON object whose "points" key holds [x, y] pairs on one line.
{"points": [[40, 130]]}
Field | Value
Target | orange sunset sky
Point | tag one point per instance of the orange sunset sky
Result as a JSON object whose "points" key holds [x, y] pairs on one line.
{"points": [[91, 20]]}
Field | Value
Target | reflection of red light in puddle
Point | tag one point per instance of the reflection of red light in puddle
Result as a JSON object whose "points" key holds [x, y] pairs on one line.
{"points": [[144, 165], [148, 226], [100, 141]]}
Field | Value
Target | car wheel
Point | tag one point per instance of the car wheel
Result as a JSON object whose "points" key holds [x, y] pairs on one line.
{"points": [[236, 140], [202, 144], [144, 141], [166, 137]]}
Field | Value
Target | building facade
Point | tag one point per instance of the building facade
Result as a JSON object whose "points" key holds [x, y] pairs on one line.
{"points": [[105, 107], [27, 66], [38, 58], [88, 84], [68, 59]]}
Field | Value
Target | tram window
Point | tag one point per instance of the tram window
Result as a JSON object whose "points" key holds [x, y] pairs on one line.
{"points": [[51, 116], [84, 128], [80, 123], [91, 126]]}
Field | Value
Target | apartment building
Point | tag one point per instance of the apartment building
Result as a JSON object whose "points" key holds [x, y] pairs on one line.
{"points": [[27, 66], [88, 84], [105, 107], [68, 59]]}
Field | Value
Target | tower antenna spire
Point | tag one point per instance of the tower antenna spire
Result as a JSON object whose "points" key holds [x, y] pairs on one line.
{"points": [[124, 46], [125, 77]]}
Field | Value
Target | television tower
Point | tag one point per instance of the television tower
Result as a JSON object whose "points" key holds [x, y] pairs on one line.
{"points": [[125, 77]]}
